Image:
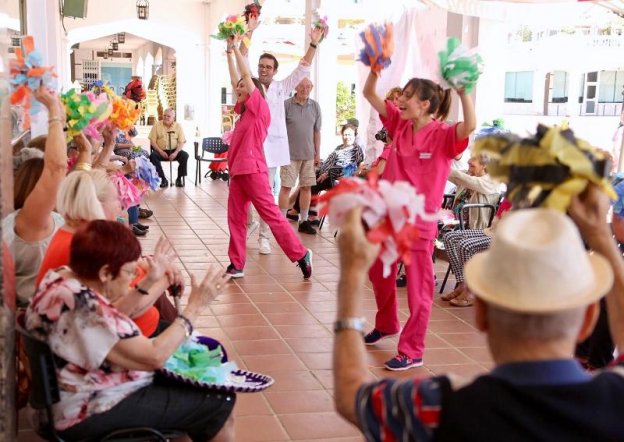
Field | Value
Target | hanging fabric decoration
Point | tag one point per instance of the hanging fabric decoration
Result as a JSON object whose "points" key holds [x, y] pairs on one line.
{"points": [[232, 26], [459, 66], [378, 46], [321, 23], [547, 170], [389, 213], [27, 75], [85, 112]]}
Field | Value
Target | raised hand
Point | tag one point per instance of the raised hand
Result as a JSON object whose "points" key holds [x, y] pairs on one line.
{"points": [[211, 286], [315, 35]]}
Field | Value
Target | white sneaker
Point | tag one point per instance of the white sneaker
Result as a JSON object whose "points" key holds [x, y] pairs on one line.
{"points": [[265, 246], [251, 228]]}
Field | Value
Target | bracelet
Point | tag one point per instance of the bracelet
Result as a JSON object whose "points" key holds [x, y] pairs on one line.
{"points": [[314, 45], [186, 323], [83, 166], [356, 324], [53, 119], [141, 290]]}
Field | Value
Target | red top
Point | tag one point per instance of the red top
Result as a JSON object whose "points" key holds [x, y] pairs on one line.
{"points": [[422, 158], [57, 255], [246, 155]]}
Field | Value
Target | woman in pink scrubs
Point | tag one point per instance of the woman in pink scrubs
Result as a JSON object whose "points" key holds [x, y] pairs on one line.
{"points": [[248, 172], [422, 152]]}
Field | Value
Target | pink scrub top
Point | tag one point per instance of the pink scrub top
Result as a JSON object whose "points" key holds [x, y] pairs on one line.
{"points": [[422, 158], [246, 154]]}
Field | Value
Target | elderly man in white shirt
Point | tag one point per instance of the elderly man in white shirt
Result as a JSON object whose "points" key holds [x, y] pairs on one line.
{"points": [[276, 147]]}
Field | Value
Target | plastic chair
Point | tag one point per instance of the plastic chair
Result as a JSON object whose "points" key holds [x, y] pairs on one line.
{"points": [[212, 145], [45, 392]]}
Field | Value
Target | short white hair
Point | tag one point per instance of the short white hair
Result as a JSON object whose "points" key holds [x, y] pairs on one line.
{"points": [[81, 194], [565, 324]]}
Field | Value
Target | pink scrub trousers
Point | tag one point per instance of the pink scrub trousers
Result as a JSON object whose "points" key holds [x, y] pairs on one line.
{"points": [[253, 188], [420, 287]]}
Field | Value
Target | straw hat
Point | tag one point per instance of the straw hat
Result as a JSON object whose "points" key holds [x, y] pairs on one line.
{"points": [[537, 264]]}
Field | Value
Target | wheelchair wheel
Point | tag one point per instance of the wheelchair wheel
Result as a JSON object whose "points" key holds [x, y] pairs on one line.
{"points": [[214, 175]]}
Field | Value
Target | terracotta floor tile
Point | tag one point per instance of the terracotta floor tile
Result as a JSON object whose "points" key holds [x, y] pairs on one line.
{"points": [[317, 361], [299, 401], [279, 307], [321, 426], [479, 355], [253, 404], [303, 331], [259, 429], [467, 371], [461, 340], [250, 333], [272, 347], [294, 380], [290, 318], [444, 356], [311, 345], [241, 320], [267, 363], [450, 326]]}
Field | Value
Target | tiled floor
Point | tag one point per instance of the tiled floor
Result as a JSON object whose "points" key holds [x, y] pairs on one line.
{"points": [[273, 322]]}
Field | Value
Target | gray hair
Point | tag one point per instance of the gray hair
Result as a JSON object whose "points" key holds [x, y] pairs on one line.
{"points": [[24, 155], [551, 326]]}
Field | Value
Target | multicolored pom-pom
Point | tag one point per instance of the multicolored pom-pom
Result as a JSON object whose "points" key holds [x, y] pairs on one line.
{"points": [[85, 112], [459, 66], [27, 75], [321, 24], [378, 46], [129, 195], [124, 112], [390, 211], [232, 26], [252, 10]]}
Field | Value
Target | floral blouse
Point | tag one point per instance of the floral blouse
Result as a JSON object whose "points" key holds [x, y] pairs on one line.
{"points": [[81, 327]]}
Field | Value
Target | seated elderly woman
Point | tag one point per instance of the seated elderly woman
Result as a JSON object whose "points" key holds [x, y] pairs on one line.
{"points": [[106, 373], [87, 195], [461, 245], [343, 161]]}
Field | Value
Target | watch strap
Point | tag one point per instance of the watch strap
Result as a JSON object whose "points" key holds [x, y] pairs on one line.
{"points": [[350, 324]]}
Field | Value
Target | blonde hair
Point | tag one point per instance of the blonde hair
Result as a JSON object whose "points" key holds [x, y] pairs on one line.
{"points": [[81, 194]]}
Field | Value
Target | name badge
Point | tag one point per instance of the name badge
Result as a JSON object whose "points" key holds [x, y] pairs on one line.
{"points": [[425, 155]]}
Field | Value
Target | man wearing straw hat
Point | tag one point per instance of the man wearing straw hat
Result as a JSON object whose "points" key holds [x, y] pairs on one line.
{"points": [[537, 293]]}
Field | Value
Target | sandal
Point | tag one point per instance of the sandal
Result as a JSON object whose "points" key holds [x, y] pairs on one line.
{"points": [[462, 301], [454, 294]]}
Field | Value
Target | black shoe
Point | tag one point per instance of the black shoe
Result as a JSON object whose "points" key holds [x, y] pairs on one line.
{"points": [[315, 222], [138, 232], [401, 281], [145, 213], [141, 226], [179, 182], [164, 183], [306, 227], [292, 216]]}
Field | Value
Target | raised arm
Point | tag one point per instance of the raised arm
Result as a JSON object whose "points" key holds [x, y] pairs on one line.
{"points": [[466, 127], [589, 212], [350, 371], [315, 38], [370, 93], [251, 27], [242, 66], [234, 74], [33, 221]]}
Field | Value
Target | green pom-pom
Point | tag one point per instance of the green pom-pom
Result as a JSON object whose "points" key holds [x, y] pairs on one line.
{"points": [[459, 66]]}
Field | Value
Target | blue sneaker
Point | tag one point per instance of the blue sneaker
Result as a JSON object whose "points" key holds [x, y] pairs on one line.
{"points": [[402, 362], [374, 336], [305, 264]]}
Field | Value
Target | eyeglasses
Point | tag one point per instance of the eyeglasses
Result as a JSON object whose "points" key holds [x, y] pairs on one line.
{"points": [[268, 67]]}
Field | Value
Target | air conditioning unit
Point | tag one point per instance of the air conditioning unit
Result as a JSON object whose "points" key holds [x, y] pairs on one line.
{"points": [[75, 8]]}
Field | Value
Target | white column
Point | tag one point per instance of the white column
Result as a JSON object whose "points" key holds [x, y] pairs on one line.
{"points": [[44, 24], [324, 72]]}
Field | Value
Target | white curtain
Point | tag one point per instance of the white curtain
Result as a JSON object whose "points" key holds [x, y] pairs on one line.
{"points": [[418, 36]]}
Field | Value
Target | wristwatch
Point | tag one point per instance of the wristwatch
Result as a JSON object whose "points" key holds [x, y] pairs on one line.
{"points": [[349, 324]]}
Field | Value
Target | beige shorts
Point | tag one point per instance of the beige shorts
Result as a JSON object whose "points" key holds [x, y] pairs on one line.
{"points": [[302, 169]]}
